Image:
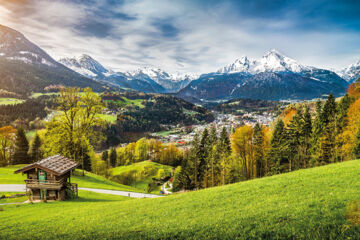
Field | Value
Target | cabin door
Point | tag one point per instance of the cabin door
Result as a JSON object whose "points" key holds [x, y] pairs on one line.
{"points": [[42, 176], [42, 179]]}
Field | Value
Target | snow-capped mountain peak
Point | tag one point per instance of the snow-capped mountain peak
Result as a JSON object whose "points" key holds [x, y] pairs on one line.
{"points": [[85, 65], [272, 61], [352, 72], [240, 65]]}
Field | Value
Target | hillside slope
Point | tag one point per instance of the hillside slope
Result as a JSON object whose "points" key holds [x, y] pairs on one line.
{"points": [[318, 203], [25, 67]]}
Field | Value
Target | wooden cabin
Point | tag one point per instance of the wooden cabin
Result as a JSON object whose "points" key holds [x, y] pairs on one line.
{"points": [[49, 179]]}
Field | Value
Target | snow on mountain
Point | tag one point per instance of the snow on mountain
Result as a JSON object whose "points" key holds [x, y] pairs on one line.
{"points": [[157, 74], [272, 61], [89, 67], [85, 65], [351, 73], [15, 47]]}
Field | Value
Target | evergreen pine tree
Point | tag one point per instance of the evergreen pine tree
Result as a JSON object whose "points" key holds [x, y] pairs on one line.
{"points": [[276, 155], [305, 141], [194, 157], [21, 148], [259, 150], [204, 153], [327, 153], [35, 152], [105, 157], [113, 157], [224, 147]]}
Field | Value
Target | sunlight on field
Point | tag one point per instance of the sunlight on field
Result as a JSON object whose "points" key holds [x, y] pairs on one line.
{"points": [[10, 101]]}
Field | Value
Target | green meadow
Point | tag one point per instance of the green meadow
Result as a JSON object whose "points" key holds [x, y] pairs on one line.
{"points": [[128, 102], [144, 172], [90, 180], [10, 101], [318, 203]]}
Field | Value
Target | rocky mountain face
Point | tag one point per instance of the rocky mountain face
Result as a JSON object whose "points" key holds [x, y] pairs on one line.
{"points": [[24, 67], [273, 77], [351, 73]]}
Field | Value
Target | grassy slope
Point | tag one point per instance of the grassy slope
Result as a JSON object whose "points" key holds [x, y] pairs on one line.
{"points": [[90, 180], [128, 102], [18, 199], [306, 204], [138, 167], [10, 101]]}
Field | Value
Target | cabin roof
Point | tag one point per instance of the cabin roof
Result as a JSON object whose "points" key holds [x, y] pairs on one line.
{"points": [[57, 164]]}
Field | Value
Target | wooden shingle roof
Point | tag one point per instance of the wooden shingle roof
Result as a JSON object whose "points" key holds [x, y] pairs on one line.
{"points": [[57, 164]]}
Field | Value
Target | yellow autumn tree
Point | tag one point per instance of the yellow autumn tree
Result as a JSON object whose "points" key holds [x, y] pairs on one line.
{"points": [[243, 149]]}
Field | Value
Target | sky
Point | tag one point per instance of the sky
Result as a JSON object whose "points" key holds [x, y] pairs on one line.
{"points": [[189, 36]]}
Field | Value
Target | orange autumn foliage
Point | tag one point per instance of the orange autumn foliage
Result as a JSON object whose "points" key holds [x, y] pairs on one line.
{"points": [[349, 135], [354, 89]]}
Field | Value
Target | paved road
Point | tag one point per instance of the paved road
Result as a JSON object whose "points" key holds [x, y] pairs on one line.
{"points": [[22, 188]]}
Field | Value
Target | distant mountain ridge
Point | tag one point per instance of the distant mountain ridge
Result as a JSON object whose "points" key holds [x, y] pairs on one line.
{"points": [[144, 79], [24, 67], [273, 77], [352, 72]]}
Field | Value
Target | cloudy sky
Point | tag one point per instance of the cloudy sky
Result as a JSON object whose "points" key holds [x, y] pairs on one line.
{"points": [[189, 36]]}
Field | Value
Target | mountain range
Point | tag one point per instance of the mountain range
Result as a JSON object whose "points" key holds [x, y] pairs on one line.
{"points": [[144, 79], [26, 68], [273, 77]]}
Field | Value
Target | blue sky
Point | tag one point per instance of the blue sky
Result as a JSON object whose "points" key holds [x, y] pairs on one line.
{"points": [[190, 36]]}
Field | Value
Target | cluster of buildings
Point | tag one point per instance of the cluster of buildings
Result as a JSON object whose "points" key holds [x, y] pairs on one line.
{"points": [[182, 136]]}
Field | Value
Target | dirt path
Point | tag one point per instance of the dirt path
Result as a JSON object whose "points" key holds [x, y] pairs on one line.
{"points": [[22, 188]]}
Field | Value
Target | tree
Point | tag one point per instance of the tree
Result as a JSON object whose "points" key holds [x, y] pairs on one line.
{"points": [[327, 153], [35, 152], [276, 155], [141, 150], [113, 157], [305, 141], [195, 152], [243, 148], [225, 151], [259, 150], [71, 131], [105, 157], [7, 135], [21, 148], [357, 145]]}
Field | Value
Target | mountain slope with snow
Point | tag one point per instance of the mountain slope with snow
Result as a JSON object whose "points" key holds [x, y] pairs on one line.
{"points": [[25, 67], [273, 77], [142, 79], [352, 72]]}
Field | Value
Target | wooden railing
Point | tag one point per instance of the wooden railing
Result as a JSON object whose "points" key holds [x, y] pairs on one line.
{"points": [[45, 184]]}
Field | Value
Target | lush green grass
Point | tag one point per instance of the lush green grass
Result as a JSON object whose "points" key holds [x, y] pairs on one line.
{"points": [[167, 133], [145, 171], [10, 101], [30, 134], [36, 95], [306, 204], [18, 199], [108, 117], [7, 175], [90, 180], [128, 102]]}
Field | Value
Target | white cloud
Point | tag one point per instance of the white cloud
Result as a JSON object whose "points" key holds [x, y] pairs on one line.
{"points": [[205, 38]]}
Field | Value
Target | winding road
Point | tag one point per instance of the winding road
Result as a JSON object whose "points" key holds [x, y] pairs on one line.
{"points": [[22, 188]]}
